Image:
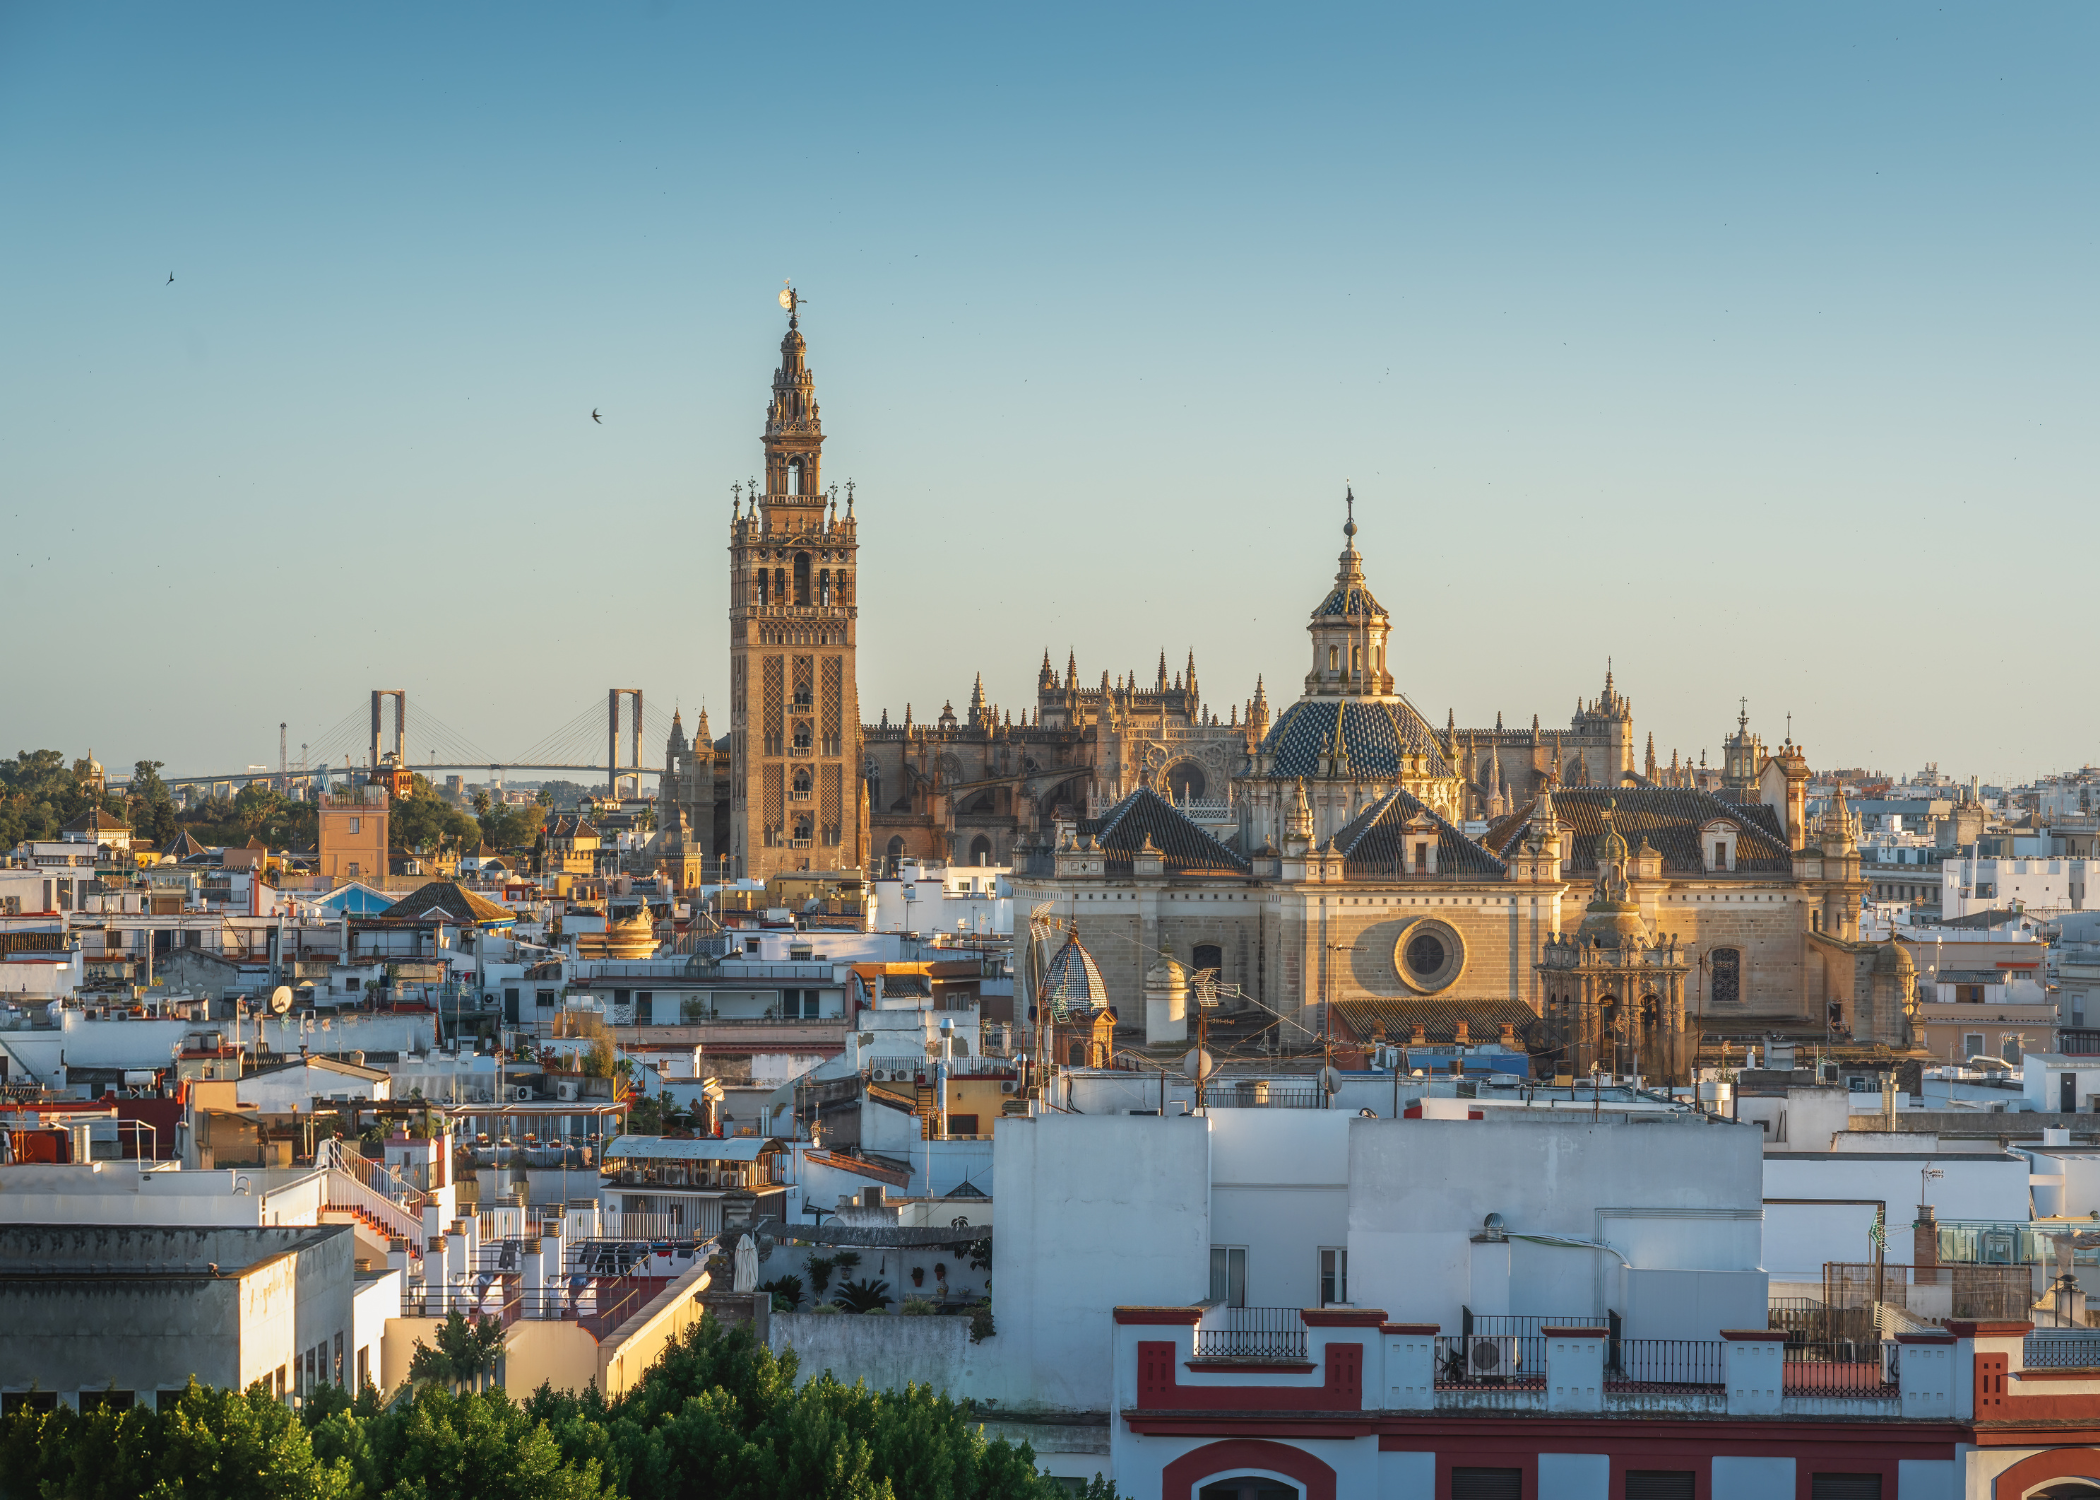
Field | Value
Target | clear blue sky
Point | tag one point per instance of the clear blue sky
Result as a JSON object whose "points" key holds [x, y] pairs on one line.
{"points": [[1751, 346]]}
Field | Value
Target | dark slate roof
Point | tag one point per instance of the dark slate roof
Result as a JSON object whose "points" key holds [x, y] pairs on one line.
{"points": [[450, 900], [1669, 818], [1187, 849], [1353, 601], [1437, 1015], [1376, 734], [1372, 847]]}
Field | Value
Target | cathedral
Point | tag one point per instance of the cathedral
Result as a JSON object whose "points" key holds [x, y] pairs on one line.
{"points": [[1344, 867]]}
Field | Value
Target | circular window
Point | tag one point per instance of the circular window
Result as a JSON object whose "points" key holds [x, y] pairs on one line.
{"points": [[1430, 955]]}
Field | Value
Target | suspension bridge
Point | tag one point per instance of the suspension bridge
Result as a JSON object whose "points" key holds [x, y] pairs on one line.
{"points": [[601, 744]]}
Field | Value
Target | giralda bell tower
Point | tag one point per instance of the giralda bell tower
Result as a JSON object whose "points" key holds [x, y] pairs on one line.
{"points": [[794, 701]]}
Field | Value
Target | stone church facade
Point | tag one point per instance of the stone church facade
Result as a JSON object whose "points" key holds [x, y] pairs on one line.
{"points": [[1320, 856], [1603, 919]]}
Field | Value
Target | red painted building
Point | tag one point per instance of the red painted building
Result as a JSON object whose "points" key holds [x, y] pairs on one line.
{"points": [[1352, 1405]]}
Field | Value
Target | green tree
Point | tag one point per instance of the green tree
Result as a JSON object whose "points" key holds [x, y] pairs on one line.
{"points": [[481, 802], [512, 827], [443, 1446], [66, 1454], [255, 806], [422, 820], [152, 808], [464, 1352], [240, 1445]]}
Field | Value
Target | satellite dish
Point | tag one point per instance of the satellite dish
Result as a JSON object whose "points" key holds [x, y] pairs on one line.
{"points": [[1198, 1064], [281, 999], [1330, 1080]]}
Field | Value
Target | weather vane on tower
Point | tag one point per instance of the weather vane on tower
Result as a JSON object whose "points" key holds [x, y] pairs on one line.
{"points": [[791, 300]]}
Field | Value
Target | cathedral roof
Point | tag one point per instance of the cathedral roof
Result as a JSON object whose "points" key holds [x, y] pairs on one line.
{"points": [[1668, 818], [1375, 844], [1146, 817], [1437, 1015], [1073, 984], [1376, 732]]}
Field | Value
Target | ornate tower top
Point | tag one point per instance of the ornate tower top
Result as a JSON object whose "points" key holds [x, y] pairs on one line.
{"points": [[794, 435]]}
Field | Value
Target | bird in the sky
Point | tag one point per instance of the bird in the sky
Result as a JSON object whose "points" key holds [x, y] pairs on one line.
{"points": [[596, 418], [171, 278]]}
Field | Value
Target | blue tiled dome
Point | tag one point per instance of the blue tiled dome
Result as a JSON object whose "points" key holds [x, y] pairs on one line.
{"points": [[1376, 733], [1353, 601]]}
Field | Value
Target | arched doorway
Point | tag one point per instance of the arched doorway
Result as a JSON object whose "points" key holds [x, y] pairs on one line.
{"points": [[980, 850], [1185, 781], [896, 852]]}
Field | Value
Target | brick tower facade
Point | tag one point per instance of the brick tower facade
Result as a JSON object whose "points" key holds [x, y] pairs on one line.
{"points": [[795, 784]]}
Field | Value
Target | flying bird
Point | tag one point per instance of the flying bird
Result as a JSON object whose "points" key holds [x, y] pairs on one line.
{"points": [[596, 418], [171, 278]]}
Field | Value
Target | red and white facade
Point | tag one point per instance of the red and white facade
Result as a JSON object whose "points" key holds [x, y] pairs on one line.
{"points": [[1362, 1414]]}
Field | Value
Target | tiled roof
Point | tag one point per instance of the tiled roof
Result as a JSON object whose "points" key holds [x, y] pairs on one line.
{"points": [[1144, 814], [451, 900], [1373, 846], [1073, 985], [1352, 600], [95, 820], [1437, 1016], [1376, 733], [1668, 818]]}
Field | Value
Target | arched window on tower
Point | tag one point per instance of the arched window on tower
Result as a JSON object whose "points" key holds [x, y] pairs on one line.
{"points": [[824, 588], [1356, 660], [780, 585], [760, 597], [802, 578], [1334, 658], [794, 476], [801, 784], [845, 587], [980, 850]]}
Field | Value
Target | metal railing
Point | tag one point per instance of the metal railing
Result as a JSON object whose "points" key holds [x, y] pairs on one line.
{"points": [[1490, 1359], [1839, 1367], [1251, 1333], [2064, 1349], [1663, 1364], [1257, 1096]]}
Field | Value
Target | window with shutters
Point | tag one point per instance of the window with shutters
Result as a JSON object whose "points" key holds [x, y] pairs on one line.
{"points": [[1661, 1484], [1487, 1484]]}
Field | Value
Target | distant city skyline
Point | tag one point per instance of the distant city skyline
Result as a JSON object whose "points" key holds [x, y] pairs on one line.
{"points": [[1748, 350]]}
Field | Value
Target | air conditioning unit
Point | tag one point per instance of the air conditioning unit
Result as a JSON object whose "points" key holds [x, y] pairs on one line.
{"points": [[566, 1089], [520, 1092], [1010, 1086], [1491, 1354]]}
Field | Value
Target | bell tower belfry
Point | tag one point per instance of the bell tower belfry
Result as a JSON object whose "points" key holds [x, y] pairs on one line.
{"points": [[794, 755]]}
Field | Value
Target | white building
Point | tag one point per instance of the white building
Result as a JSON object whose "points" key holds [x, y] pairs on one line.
{"points": [[924, 897], [2041, 883]]}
